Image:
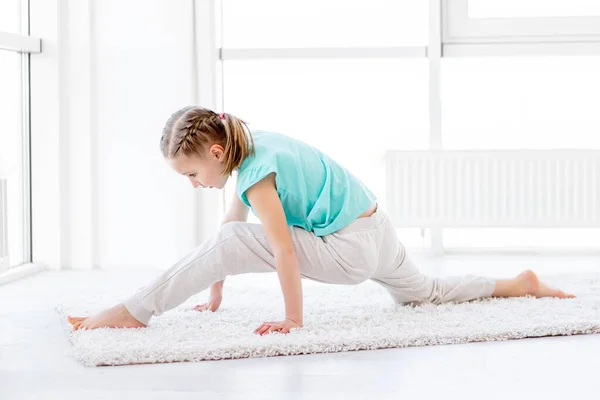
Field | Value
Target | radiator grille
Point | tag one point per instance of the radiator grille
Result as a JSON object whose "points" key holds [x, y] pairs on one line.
{"points": [[495, 188]]}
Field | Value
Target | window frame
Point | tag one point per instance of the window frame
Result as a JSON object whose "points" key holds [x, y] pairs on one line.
{"points": [[24, 44], [466, 36]]}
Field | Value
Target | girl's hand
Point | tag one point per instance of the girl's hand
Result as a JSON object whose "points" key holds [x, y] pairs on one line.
{"points": [[213, 304], [283, 327]]}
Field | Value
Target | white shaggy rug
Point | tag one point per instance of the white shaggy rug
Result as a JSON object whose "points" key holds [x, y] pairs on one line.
{"points": [[337, 318]]}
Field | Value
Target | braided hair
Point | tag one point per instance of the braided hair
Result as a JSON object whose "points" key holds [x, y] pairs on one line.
{"points": [[192, 130]]}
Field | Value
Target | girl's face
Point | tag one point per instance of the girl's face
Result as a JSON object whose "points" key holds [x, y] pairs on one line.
{"points": [[206, 171]]}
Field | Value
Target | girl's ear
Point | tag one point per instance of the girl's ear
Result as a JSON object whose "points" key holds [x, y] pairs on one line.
{"points": [[217, 151]]}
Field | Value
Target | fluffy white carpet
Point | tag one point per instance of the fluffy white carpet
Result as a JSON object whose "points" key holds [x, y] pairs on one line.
{"points": [[337, 318]]}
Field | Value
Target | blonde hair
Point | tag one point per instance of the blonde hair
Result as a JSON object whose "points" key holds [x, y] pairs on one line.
{"points": [[192, 130]]}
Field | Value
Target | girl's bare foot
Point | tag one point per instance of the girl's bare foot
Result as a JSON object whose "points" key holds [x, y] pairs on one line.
{"points": [[115, 317], [527, 283]]}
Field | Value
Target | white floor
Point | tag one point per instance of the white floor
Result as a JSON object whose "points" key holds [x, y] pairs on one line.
{"points": [[35, 360]]}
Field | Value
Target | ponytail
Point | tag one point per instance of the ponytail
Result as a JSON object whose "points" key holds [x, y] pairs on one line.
{"points": [[239, 143]]}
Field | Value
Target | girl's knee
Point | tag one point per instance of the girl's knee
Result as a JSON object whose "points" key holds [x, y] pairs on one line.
{"points": [[230, 229]]}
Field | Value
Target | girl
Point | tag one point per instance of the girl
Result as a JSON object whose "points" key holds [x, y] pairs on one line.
{"points": [[318, 221]]}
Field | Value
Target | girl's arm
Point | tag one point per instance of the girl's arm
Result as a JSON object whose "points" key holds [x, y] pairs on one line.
{"points": [[237, 212], [267, 206]]}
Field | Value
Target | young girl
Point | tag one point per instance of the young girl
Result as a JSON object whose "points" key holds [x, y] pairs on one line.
{"points": [[318, 221]]}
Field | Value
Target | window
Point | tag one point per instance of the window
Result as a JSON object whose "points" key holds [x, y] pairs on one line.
{"points": [[14, 127], [530, 21], [352, 110], [10, 16], [324, 23], [521, 102], [11, 151]]}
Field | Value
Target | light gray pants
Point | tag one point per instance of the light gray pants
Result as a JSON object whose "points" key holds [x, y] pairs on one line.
{"points": [[366, 249]]}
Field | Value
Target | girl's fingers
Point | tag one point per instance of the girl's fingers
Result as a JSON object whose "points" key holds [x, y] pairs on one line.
{"points": [[268, 327], [262, 330], [275, 328]]}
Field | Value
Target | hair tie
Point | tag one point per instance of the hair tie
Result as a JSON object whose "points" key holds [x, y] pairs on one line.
{"points": [[222, 116]]}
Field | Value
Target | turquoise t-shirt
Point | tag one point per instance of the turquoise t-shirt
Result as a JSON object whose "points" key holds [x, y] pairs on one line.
{"points": [[317, 194]]}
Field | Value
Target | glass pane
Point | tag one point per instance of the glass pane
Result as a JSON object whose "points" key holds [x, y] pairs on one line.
{"points": [[514, 103], [324, 23], [11, 149], [352, 110], [10, 16], [532, 8]]}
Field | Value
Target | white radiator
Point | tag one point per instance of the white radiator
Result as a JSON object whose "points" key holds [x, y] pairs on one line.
{"points": [[3, 226], [494, 188]]}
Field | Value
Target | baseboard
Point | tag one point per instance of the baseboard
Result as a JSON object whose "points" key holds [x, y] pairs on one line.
{"points": [[509, 251], [20, 272]]}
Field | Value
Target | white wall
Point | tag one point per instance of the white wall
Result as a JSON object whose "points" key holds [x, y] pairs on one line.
{"points": [[109, 76], [144, 68]]}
